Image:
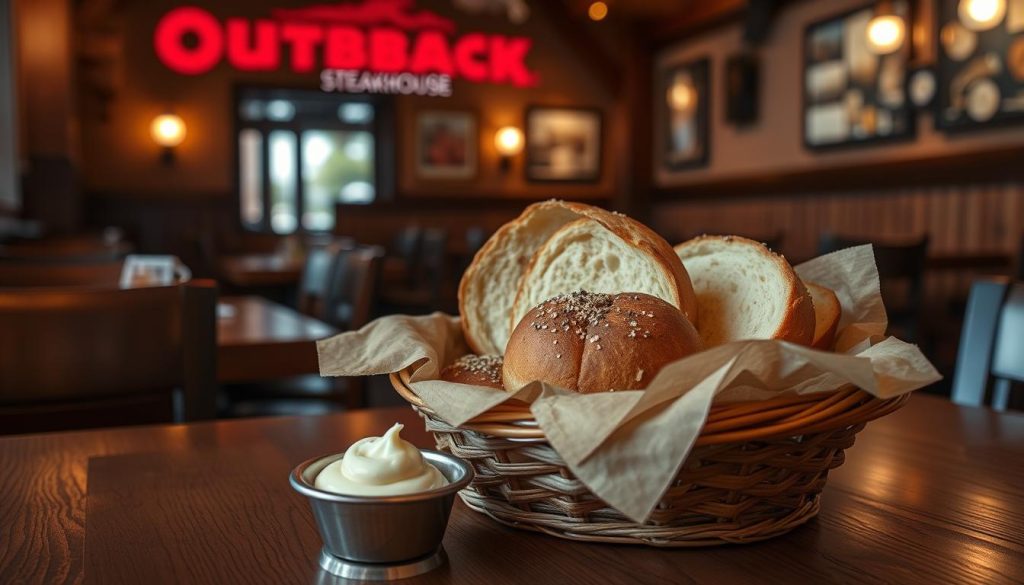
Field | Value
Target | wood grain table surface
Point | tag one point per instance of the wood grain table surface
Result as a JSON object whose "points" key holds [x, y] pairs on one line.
{"points": [[261, 270], [931, 494], [258, 339]]}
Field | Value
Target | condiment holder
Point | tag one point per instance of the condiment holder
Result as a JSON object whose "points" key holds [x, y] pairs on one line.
{"points": [[382, 538]]}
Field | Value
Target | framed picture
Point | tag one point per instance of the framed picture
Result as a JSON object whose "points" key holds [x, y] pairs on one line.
{"points": [[980, 65], [563, 144], [853, 95], [446, 144], [684, 100]]}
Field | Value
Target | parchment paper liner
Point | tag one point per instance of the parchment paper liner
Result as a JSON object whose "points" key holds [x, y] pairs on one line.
{"points": [[627, 446]]}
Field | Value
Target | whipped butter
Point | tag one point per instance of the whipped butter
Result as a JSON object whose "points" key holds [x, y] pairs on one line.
{"points": [[380, 466]]}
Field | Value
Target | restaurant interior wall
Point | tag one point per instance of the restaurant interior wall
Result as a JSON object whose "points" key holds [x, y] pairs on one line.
{"points": [[121, 162]]}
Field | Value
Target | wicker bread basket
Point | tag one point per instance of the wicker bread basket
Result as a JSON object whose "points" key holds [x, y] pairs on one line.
{"points": [[755, 472]]}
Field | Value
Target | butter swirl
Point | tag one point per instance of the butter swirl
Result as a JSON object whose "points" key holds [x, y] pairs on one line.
{"points": [[380, 466]]}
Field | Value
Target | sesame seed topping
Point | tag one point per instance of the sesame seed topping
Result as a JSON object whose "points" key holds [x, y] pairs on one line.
{"points": [[483, 367]]}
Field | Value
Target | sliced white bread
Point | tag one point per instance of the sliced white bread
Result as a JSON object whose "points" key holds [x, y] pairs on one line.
{"points": [[827, 311], [746, 291], [488, 287], [601, 257]]}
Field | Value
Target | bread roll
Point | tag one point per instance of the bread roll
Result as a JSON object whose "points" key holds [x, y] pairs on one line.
{"points": [[593, 342], [477, 370], [492, 282], [591, 255], [746, 291], [827, 312]]}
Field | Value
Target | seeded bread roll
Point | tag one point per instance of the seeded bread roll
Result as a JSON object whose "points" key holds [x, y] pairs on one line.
{"points": [[477, 370], [592, 342]]}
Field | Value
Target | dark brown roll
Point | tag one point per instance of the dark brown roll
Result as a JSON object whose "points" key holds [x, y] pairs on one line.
{"points": [[478, 370], [592, 342]]}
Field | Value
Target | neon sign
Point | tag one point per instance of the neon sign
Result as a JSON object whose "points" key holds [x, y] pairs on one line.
{"points": [[374, 46]]}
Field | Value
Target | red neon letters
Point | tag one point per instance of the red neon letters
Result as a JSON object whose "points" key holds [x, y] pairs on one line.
{"points": [[191, 41]]}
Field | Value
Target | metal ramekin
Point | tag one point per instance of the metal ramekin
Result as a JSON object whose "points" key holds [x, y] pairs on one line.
{"points": [[364, 532]]}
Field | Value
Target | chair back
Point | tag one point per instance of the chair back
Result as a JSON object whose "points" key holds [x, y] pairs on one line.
{"points": [[71, 358], [348, 303], [991, 353], [432, 265], [406, 245], [316, 274], [26, 274]]}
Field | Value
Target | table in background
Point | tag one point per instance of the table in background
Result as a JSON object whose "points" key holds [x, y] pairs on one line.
{"points": [[931, 494], [258, 339], [261, 270]]}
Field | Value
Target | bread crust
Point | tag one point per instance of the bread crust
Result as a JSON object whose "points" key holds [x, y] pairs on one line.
{"points": [[827, 309], [797, 325], [619, 345]]}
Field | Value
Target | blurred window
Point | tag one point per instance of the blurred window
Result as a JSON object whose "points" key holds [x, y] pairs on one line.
{"points": [[300, 153]]}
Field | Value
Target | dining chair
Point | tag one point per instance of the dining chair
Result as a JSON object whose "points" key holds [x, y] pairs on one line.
{"points": [[26, 274], [316, 273], [351, 287], [901, 271], [405, 246], [348, 298], [991, 351], [76, 358]]}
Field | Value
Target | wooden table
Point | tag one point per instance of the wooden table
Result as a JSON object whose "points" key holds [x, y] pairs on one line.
{"points": [[261, 270], [258, 339], [931, 494]]}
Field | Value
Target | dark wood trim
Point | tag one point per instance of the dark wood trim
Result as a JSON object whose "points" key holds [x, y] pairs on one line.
{"points": [[588, 50], [699, 16], [982, 166], [481, 202]]}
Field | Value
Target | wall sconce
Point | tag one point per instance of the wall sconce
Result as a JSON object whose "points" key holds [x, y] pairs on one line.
{"points": [[979, 15], [886, 31], [168, 131], [509, 142]]}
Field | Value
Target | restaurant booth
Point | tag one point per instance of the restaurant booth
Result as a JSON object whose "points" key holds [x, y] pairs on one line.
{"points": [[630, 277]]}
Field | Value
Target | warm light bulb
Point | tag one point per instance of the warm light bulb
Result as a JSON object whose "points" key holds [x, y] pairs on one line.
{"points": [[979, 15], [681, 96], [167, 130], [509, 141], [886, 34], [597, 11]]}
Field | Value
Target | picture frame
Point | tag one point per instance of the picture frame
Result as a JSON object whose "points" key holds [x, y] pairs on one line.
{"points": [[563, 144], [979, 73], [446, 145], [851, 96], [684, 114]]}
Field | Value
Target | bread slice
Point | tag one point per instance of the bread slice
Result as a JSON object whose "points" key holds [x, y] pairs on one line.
{"points": [[746, 291], [488, 287], [826, 315], [592, 255]]}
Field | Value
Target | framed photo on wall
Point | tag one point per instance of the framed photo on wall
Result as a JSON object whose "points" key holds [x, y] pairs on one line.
{"points": [[563, 144], [684, 99], [853, 94], [980, 65], [446, 144]]}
